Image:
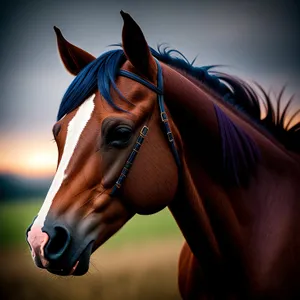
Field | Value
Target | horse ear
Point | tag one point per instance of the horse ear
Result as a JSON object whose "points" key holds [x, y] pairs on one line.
{"points": [[74, 58], [136, 48]]}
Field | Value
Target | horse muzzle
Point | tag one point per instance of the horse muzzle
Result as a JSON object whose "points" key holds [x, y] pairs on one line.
{"points": [[57, 249]]}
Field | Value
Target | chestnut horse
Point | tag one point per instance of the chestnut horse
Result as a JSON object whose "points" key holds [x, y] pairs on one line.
{"points": [[139, 130]]}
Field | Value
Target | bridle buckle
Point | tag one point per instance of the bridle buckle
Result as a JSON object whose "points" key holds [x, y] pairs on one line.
{"points": [[144, 131], [170, 136], [164, 116]]}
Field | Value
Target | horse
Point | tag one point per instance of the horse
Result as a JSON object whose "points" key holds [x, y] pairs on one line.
{"points": [[139, 130]]}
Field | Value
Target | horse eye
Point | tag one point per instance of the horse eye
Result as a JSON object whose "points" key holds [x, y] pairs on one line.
{"points": [[119, 137], [56, 130]]}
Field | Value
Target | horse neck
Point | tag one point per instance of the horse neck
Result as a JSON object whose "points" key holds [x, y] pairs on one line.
{"points": [[200, 162], [189, 211], [202, 208], [208, 214]]}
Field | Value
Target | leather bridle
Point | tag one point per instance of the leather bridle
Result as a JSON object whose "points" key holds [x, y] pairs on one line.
{"points": [[143, 133]]}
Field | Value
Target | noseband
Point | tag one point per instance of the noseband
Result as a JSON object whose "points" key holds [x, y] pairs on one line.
{"points": [[159, 89]]}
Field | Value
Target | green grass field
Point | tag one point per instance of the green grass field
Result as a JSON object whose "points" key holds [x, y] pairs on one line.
{"points": [[139, 262], [15, 217]]}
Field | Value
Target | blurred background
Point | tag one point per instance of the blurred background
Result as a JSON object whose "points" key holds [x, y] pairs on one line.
{"points": [[256, 40]]}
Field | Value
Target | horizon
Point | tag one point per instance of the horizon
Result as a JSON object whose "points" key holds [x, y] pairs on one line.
{"points": [[38, 158]]}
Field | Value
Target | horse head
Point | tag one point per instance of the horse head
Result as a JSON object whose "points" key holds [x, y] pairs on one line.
{"points": [[102, 123]]}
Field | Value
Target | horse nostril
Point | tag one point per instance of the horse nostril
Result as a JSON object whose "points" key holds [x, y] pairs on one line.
{"points": [[58, 243]]}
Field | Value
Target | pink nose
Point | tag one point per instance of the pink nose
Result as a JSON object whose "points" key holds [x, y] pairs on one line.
{"points": [[37, 240]]}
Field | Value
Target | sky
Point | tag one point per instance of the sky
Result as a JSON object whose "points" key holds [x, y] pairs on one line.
{"points": [[258, 40]]}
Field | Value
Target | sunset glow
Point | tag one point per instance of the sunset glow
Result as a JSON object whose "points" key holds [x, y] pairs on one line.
{"points": [[40, 162], [33, 159]]}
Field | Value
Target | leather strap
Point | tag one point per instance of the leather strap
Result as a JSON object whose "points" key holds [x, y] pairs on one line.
{"points": [[164, 118]]}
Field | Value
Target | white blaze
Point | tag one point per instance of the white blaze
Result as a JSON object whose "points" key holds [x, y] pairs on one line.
{"points": [[75, 128]]}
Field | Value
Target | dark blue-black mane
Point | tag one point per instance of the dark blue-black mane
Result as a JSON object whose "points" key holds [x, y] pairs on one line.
{"points": [[101, 74]]}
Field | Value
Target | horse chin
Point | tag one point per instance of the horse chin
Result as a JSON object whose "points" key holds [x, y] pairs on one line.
{"points": [[81, 265]]}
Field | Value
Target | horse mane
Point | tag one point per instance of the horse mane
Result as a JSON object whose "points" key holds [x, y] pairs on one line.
{"points": [[102, 72]]}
